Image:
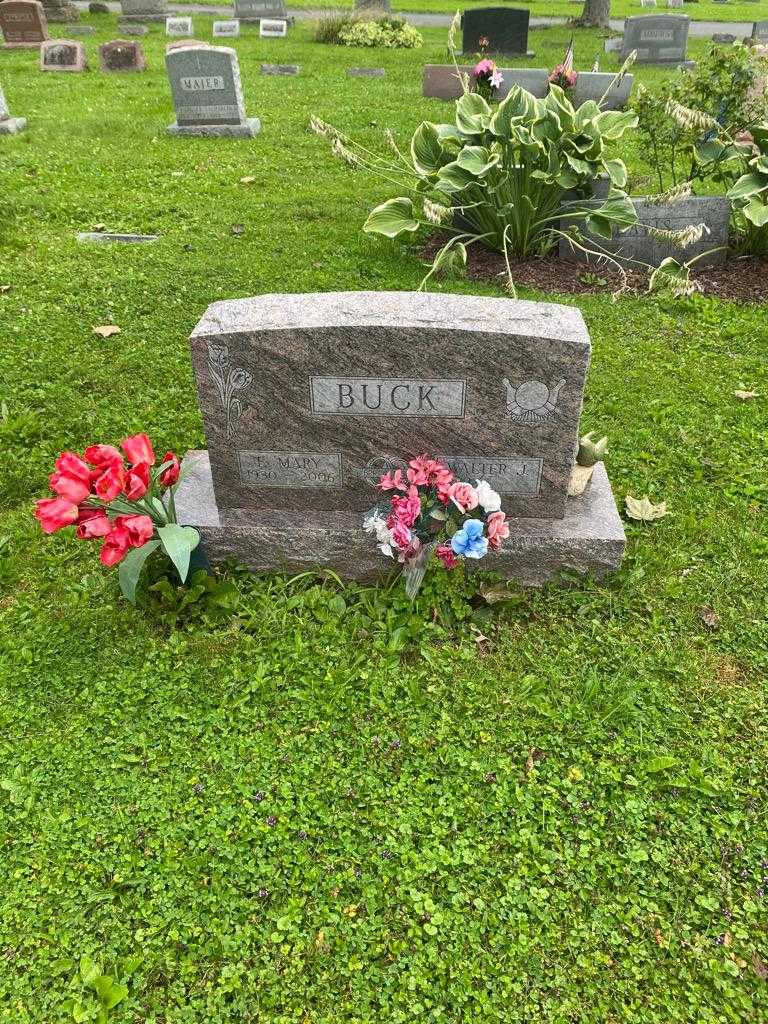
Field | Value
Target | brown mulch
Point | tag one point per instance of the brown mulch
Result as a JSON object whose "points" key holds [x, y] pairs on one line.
{"points": [[743, 279]]}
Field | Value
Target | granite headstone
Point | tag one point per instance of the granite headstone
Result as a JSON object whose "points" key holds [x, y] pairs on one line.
{"points": [[308, 399], [226, 29], [122, 55], [207, 92], [636, 245], [9, 125], [23, 24], [372, 6], [273, 28], [60, 11], [176, 26], [366, 72], [254, 10], [62, 55], [760, 31], [658, 38], [143, 10], [496, 30]]}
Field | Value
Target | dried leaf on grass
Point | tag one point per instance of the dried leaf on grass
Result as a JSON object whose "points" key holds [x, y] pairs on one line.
{"points": [[643, 509], [106, 330]]}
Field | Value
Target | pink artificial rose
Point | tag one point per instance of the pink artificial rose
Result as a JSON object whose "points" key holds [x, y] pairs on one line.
{"points": [[407, 510], [138, 449], [401, 535], [497, 528], [446, 556], [92, 522], [413, 549], [483, 67], [392, 481], [55, 513], [464, 496]]}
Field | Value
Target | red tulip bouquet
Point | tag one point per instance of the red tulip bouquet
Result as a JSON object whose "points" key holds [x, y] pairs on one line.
{"points": [[124, 500]]}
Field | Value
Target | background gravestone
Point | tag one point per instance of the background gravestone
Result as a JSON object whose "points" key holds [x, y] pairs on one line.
{"points": [[226, 29], [760, 31], [9, 125], [143, 10], [122, 55], [207, 92], [307, 399], [60, 11], [23, 23], [62, 55], [273, 28], [496, 30], [658, 38], [178, 26], [254, 10], [636, 244], [374, 5]]}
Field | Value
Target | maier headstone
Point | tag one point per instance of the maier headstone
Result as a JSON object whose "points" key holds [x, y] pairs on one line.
{"points": [[62, 55], [308, 399], [207, 92], [496, 30], [658, 38], [23, 24], [122, 55]]}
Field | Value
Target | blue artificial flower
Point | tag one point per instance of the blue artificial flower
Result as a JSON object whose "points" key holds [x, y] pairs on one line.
{"points": [[469, 540]]}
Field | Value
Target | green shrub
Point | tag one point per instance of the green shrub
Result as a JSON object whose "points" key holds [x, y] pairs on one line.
{"points": [[371, 29]]}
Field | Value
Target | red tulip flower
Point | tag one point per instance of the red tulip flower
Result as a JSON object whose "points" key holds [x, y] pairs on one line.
{"points": [[137, 481], [110, 483], [138, 449], [115, 546], [170, 476], [55, 513], [103, 455], [72, 479], [139, 529], [92, 522]]}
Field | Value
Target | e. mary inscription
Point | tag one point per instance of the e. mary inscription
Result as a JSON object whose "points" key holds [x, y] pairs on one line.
{"points": [[307, 398]]}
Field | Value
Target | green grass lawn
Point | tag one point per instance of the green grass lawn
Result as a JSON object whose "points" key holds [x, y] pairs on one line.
{"points": [[325, 808]]}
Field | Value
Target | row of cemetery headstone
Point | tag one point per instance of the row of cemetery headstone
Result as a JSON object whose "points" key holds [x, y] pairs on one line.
{"points": [[268, 27], [245, 10], [69, 55]]}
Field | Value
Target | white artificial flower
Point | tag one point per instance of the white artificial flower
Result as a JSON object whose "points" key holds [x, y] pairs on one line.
{"points": [[487, 497], [376, 524]]}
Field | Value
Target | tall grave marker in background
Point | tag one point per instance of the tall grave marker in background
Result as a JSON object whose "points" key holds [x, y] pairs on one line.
{"points": [[23, 24], [207, 92], [658, 38], [496, 30], [307, 399]]}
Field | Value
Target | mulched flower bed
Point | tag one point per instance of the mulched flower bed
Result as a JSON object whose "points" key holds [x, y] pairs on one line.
{"points": [[743, 279]]}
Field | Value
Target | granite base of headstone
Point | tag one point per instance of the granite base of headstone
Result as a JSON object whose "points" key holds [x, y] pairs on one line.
{"points": [[23, 24], [207, 93], [723, 38], [496, 30], [308, 399], [122, 55], [62, 55], [635, 246], [9, 125]]}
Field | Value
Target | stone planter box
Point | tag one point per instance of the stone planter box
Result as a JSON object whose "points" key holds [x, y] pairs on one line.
{"points": [[636, 246], [441, 82]]}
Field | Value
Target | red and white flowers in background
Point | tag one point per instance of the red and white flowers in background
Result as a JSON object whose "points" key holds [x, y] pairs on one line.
{"points": [[430, 510], [486, 77], [124, 500]]}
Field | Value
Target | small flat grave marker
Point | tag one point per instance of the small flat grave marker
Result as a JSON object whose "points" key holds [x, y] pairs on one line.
{"points": [[280, 69], [308, 399], [122, 55], [107, 236], [501, 30], [366, 72], [226, 29], [9, 125], [62, 55], [23, 24], [273, 28], [658, 38], [207, 92], [178, 26]]}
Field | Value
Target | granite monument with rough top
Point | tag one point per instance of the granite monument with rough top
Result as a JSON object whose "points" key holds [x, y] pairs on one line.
{"points": [[207, 93], [23, 24], [62, 55], [308, 399]]}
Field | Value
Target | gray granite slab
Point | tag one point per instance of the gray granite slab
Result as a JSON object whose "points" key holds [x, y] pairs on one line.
{"points": [[495, 30], [62, 55], [81, 30], [107, 236], [657, 38], [207, 92], [122, 55], [366, 72], [588, 539], [133, 28], [307, 399], [441, 81], [592, 85], [176, 26], [255, 10], [280, 69], [23, 24], [637, 245], [760, 31], [144, 10], [12, 125], [226, 29]]}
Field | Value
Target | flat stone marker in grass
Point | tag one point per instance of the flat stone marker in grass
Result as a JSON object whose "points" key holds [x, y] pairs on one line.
{"points": [[207, 93], [117, 237], [122, 55], [226, 29], [496, 30], [133, 28], [23, 24], [280, 69], [178, 26], [366, 72], [9, 125], [62, 55], [307, 399], [143, 10], [273, 28], [658, 38]]}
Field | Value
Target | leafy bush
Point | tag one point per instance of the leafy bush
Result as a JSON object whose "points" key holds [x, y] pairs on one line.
{"points": [[502, 177], [723, 87], [372, 30]]}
